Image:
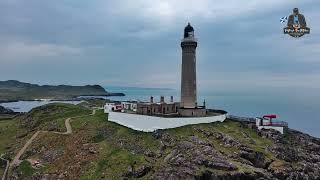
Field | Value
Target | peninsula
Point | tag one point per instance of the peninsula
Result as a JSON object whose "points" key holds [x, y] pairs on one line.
{"points": [[65, 141], [13, 90]]}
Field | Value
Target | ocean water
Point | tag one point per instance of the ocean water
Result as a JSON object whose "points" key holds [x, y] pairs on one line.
{"points": [[26, 106], [300, 110]]}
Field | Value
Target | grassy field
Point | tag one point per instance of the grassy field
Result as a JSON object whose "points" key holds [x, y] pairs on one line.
{"points": [[8, 131], [113, 159], [98, 148], [6, 117], [41, 117], [52, 116], [1, 172]]}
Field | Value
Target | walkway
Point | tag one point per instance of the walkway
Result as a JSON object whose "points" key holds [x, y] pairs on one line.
{"points": [[16, 160], [23, 149]]}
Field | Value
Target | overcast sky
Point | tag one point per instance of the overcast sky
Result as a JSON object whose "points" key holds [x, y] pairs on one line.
{"points": [[137, 43]]}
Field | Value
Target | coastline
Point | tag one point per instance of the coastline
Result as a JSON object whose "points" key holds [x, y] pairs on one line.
{"points": [[63, 99]]}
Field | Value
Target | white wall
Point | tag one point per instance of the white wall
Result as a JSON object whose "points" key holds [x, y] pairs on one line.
{"points": [[151, 123], [108, 107]]}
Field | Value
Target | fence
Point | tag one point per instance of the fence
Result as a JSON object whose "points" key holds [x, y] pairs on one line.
{"points": [[275, 123], [242, 119]]}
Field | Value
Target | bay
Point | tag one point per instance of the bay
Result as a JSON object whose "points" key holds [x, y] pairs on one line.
{"points": [[26, 106]]}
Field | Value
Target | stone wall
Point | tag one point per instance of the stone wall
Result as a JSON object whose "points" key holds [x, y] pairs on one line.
{"points": [[157, 108], [192, 112]]}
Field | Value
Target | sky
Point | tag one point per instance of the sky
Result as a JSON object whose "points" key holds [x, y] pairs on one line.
{"points": [[137, 43]]}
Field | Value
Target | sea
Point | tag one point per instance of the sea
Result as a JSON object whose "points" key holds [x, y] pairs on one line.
{"points": [[300, 110], [26, 106]]}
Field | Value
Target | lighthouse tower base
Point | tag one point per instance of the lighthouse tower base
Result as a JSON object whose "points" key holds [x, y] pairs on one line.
{"points": [[192, 112]]}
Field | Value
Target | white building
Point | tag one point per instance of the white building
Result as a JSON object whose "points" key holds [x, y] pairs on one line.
{"points": [[120, 107], [263, 123], [108, 107], [129, 106]]}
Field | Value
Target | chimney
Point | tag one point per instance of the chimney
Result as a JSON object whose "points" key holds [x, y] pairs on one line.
{"points": [[161, 99], [171, 99], [151, 99]]}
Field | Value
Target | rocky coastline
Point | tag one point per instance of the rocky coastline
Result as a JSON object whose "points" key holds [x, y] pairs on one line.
{"points": [[213, 151], [65, 99], [295, 156]]}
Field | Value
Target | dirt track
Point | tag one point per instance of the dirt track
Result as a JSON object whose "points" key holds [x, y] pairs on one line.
{"points": [[16, 160]]}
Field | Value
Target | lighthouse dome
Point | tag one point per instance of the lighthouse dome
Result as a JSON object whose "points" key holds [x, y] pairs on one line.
{"points": [[188, 31]]}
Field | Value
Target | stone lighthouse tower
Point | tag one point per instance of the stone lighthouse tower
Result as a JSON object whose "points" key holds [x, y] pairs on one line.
{"points": [[188, 104], [188, 73]]}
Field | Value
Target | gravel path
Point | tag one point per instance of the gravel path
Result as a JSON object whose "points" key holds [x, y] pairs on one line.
{"points": [[16, 160]]}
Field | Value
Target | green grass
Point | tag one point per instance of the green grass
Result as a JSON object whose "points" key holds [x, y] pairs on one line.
{"points": [[25, 169], [8, 131], [43, 116], [119, 146], [1, 172], [113, 162], [92, 124], [146, 141], [55, 113], [6, 117], [96, 102]]}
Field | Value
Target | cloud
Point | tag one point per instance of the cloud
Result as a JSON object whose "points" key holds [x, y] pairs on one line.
{"points": [[172, 11], [137, 42], [21, 51]]}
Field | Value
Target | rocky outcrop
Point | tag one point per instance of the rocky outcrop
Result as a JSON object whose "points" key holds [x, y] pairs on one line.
{"points": [[299, 154], [4, 110], [217, 151], [296, 157], [138, 173], [187, 157]]}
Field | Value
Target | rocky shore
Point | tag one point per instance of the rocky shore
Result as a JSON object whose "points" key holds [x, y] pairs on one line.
{"points": [[4, 110]]}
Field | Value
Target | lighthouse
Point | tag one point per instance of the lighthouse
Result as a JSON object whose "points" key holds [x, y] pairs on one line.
{"points": [[188, 104], [188, 71]]}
